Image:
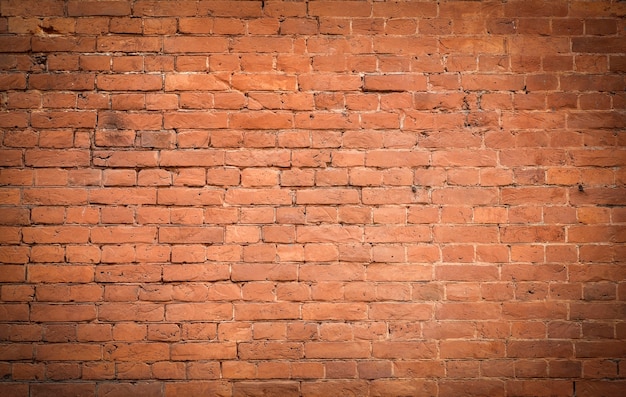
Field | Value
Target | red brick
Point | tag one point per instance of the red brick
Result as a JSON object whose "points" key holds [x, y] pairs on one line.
{"points": [[195, 82], [404, 10], [217, 387], [123, 389], [46, 312], [472, 45], [129, 332], [196, 311], [404, 46], [239, 370], [79, 389], [263, 82], [90, 8], [196, 25], [471, 349], [195, 120], [492, 82], [381, 387], [75, 81], [279, 158], [538, 348], [130, 312], [14, 44], [597, 45], [130, 370], [189, 196], [59, 43], [261, 120], [328, 82], [190, 234], [271, 350], [74, 293], [128, 195], [195, 44], [12, 81], [95, 62], [266, 311], [71, 119], [257, 196], [394, 82], [472, 387], [337, 349], [203, 351], [398, 311], [68, 351], [122, 82], [123, 234], [404, 350], [45, 8]]}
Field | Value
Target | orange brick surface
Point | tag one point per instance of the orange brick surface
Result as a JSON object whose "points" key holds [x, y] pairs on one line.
{"points": [[312, 198]]}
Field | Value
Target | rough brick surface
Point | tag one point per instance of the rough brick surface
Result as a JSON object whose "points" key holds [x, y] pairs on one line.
{"points": [[370, 197]]}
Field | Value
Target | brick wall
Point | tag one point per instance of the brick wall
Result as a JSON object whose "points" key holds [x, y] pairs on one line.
{"points": [[312, 198]]}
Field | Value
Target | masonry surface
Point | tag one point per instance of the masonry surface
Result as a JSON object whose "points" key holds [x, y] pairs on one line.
{"points": [[322, 198]]}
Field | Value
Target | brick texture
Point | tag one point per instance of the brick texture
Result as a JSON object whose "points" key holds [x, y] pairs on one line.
{"points": [[370, 198]]}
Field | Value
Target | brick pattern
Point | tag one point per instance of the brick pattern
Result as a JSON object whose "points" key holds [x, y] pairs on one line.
{"points": [[312, 198]]}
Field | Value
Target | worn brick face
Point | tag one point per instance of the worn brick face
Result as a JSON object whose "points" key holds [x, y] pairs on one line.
{"points": [[312, 197]]}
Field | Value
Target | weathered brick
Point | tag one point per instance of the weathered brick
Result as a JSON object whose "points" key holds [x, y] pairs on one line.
{"points": [[311, 198]]}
